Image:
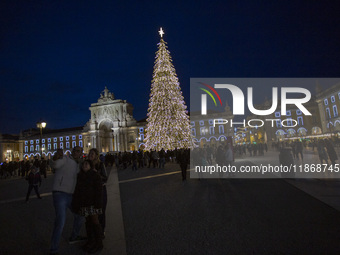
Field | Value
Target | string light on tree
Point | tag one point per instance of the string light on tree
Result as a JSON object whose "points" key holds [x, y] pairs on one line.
{"points": [[168, 125]]}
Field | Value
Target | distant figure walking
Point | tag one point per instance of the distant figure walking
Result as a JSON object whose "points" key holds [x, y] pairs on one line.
{"points": [[43, 168], [299, 149], [322, 152], [34, 179], [184, 160], [229, 158], [331, 151]]}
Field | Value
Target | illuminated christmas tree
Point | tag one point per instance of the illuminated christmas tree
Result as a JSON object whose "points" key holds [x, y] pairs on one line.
{"points": [[168, 124]]}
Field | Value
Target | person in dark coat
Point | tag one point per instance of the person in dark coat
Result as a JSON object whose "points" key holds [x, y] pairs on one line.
{"points": [[331, 151], [43, 168], [184, 160], [220, 156], [299, 149], [322, 152], [101, 169], [87, 202], [286, 159], [34, 179]]}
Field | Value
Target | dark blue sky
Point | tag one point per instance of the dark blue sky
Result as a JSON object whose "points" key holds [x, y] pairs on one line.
{"points": [[57, 56]]}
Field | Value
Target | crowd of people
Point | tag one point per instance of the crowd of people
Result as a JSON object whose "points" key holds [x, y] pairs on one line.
{"points": [[140, 159], [23, 167], [324, 147], [79, 183], [149, 159], [80, 186]]}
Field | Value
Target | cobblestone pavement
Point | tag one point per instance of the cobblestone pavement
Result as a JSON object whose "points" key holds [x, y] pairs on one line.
{"points": [[163, 215]]}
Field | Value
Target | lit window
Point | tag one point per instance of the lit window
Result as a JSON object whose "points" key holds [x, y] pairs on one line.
{"points": [[37, 148], [60, 138], [277, 114], [43, 146], [298, 112], [211, 130], [211, 122], [290, 121], [300, 121], [278, 123], [26, 142], [289, 113], [67, 145], [73, 137], [49, 140], [339, 95], [26, 148], [192, 123], [61, 146], [201, 123], [203, 131], [55, 139], [49, 146], [332, 99], [67, 138], [73, 144], [335, 111], [32, 148], [326, 102], [37, 141], [55, 146], [80, 137], [81, 143], [193, 131], [142, 137], [32, 142], [221, 129], [328, 113]]}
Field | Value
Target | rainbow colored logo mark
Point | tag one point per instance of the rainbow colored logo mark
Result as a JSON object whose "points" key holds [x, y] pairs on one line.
{"points": [[209, 93]]}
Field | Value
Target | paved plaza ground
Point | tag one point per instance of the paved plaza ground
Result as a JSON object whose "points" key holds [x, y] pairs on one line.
{"points": [[151, 211]]}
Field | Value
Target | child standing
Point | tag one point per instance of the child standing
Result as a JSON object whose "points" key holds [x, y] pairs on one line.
{"points": [[87, 201], [33, 178]]}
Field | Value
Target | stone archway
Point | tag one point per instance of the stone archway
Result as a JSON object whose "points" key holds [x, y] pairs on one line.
{"points": [[105, 135]]}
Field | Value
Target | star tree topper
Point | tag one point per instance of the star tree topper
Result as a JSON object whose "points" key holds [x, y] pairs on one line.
{"points": [[161, 32]]}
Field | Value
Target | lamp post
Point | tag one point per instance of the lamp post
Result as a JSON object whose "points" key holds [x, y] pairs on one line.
{"points": [[41, 125]]}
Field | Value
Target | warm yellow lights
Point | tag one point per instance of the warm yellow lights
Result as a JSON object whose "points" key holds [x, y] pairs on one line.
{"points": [[41, 124]]}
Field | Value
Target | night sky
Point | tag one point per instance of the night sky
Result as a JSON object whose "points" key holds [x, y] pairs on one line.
{"points": [[57, 56]]}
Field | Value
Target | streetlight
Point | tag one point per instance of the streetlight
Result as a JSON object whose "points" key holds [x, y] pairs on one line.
{"points": [[41, 125]]}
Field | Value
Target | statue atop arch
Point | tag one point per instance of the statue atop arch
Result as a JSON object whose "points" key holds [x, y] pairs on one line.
{"points": [[106, 95]]}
